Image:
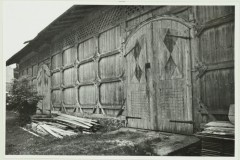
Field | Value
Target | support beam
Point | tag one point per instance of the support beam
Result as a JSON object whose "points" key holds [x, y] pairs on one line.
{"points": [[203, 107], [215, 22], [202, 69]]}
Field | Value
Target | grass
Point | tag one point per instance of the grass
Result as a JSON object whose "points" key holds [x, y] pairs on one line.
{"points": [[20, 142]]}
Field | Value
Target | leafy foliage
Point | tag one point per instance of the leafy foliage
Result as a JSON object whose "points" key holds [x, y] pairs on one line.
{"points": [[24, 99]]}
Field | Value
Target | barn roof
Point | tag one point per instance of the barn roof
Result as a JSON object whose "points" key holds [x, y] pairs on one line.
{"points": [[71, 16]]}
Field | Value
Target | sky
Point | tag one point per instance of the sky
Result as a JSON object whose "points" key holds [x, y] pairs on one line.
{"points": [[23, 20]]}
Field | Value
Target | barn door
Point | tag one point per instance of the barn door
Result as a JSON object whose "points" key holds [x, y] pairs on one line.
{"points": [[43, 88], [138, 100], [172, 77]]}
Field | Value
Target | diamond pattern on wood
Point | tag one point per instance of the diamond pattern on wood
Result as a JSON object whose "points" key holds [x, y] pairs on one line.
{"points": [[170, 41], [170, 68], [137, 50], [138, 72]]}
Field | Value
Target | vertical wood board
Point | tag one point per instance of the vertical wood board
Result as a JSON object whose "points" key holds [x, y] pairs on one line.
{"points": [[29, 72], [111, 66], [69, 96], [110, 40], [69, 76], [111, 93], [86, 72], [86, 49], [43, 88], [171, 67], [35, 68], [56, 61], [56, 97], [56, 79], [138, 96], [69, 56], [87, 95]]}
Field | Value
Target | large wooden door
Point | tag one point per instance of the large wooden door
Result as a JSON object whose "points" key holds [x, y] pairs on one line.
{"points": [[172, 76], [43, 88], [159, 76], [138, 94]]}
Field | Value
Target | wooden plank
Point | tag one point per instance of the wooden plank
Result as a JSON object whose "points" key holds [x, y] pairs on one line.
{"points": [[220, 129], [87, 95], [46, 128], [109, 68], [69, 96], [204, 107], [216, 22], [224, 89], [221, 65], [217, 137], [137, 97], [71, 122], [86, 49], [81, 121], [226, 124], [109, 94], [86, 72], [110, 40], [30, 132], [217, 132], [214, 111]]}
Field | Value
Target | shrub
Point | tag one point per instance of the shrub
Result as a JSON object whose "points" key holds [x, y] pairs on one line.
{"points": [[24, 99]]}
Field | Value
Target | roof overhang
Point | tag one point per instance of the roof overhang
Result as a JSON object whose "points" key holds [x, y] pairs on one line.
{"points": [[64, 21]]}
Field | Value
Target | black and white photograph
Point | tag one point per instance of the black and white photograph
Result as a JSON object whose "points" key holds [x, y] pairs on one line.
{"points": [[119, 79]]}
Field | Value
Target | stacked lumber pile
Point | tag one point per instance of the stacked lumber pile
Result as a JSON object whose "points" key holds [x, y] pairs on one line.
{"points": [[217, 139], [64, 125]]}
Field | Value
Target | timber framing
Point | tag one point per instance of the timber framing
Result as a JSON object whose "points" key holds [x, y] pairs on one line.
{"points": [[215, 22], [180, 72]]}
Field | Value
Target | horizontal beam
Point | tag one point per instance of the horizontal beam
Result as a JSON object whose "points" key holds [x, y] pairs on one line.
{"points": [[68, 66], [86, 60], [221, 65], [216, 111], [215, 22], [217, 66], [190, 122], [111, 107], [109, 80], [116, 51], [177, 10]]}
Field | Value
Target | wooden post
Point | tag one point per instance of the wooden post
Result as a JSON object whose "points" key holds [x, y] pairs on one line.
{"points": [[123, 36], [195, 84], [97, 80]]}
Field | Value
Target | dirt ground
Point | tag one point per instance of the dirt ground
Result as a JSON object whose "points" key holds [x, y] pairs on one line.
{"points": [[120, 142]]}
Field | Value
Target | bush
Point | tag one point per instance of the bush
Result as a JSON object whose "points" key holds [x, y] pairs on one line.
{"points": [[24, 99]]}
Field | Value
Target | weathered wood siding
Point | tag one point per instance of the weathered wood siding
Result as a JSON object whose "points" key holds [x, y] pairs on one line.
{"points": [[89, 71], [215, 87]]}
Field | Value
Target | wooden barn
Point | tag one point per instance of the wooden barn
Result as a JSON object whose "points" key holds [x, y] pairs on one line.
{"points": [[168, 68]]}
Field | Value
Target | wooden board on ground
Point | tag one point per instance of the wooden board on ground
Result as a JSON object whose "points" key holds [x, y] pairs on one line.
{"points": [[220, 129], [226, 124], [217, 133]]}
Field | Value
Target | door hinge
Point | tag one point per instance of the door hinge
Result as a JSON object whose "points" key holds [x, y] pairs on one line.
{"points": [[183, 37], [201, 68], [191, 122]]}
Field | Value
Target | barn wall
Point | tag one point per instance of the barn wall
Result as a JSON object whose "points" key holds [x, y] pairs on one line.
{"points": [[87, 62], [213, 91], [94, 68]]}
